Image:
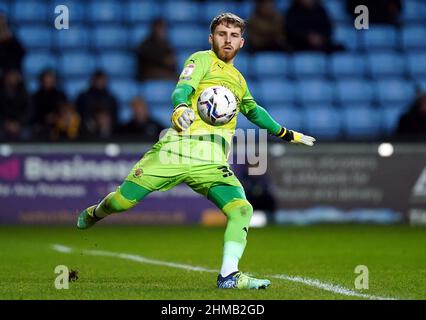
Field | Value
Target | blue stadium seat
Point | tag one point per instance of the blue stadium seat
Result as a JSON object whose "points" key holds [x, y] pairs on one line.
{"points": [[266, 65], [390, 115], [309, 65], [101, 11], [347, 65], [379, 37], [414, 11], [29, 11], [288, 117], [78, 63], [336, 10], [242, 63], [282, 5], [188, 36], [421, 83], [361, 122], [142, 10], [37, 61], [213, 8], [354, 90], [255, 89], [314, 91], [36, 37], [107, 37], [274, 91], [244, 123], [137, 34], [158, 91], [348, 36], [413, 37], [73, 87], [416, 64], [244, 9], [322, 121], [161, 113], [125, 90], [394, 91], [181, 11], [117, 64], [124, 113], [76, 37], [32, 84], [5, 8], [182, 56], [385, 64]]}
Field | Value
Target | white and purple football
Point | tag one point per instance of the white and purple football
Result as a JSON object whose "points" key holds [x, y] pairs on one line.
{"points": [[217, 105]]}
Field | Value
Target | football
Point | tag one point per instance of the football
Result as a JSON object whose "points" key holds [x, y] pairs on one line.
{"points": [[217, 105]]}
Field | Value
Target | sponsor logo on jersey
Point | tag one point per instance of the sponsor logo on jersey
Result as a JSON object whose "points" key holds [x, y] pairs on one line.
{"points": [[188, 70]]}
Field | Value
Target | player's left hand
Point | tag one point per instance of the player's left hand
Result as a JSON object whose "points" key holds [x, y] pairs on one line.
{"points": [[296, 137], [302, 138]]}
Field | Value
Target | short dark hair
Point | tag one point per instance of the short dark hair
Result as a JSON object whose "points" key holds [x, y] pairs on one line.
{"points": [[228, 18]]}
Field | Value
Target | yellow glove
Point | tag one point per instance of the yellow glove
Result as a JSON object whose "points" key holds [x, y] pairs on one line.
{"points": [[182, 117], [296, 137]]}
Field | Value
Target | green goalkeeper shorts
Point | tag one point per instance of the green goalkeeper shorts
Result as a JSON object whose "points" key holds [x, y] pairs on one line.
{"points": [[168, 164]]}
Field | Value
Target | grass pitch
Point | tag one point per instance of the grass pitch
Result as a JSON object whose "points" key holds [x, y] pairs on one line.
{"points": [[395, 257]]}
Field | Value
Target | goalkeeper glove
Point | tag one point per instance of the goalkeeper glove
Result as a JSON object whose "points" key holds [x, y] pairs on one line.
{"points": [[182, 117], [296, 137]]}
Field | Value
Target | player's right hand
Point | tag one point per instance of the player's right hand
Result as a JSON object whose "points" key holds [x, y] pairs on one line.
{"points": [[182, 117]]}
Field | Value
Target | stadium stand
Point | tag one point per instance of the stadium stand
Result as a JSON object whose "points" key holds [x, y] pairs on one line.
{"points": [[358, 93]]}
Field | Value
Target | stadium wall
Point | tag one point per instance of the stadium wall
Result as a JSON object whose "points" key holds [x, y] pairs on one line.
{"points": [[350, 183]]}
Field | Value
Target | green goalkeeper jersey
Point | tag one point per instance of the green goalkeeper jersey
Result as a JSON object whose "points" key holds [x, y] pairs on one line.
{"points": [[204, 69]]}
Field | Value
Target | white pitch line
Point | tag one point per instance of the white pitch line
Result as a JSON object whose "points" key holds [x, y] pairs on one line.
{"points": [[329, 287], [137, 258], [61, 248]]}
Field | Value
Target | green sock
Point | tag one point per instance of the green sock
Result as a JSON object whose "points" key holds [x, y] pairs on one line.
{"points": [[239, 213]]}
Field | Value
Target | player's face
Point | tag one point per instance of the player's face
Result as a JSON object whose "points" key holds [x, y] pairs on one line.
{"points": [[226, 41]]}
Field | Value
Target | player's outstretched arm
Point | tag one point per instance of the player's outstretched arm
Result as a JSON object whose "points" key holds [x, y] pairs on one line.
{"points": [[182, 116], [260, 117]]}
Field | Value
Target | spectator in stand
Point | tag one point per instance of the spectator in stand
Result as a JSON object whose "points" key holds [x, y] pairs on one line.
{"points": [[412, 124], [97, 97], [11, 50], [46, 102], [15, 106], [65, 123], [156, 57], [102, 125], [141, 127], [379, 11], [265, 28], [309, 28]]}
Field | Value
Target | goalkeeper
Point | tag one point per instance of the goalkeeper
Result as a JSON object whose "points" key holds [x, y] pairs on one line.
{"points": [[169, 163]]}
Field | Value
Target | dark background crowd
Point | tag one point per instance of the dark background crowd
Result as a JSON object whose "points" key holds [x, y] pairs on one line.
{"points": [[49, 113]]}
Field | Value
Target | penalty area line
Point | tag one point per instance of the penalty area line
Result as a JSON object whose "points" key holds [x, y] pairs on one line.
{"points": [[137, 258]]}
